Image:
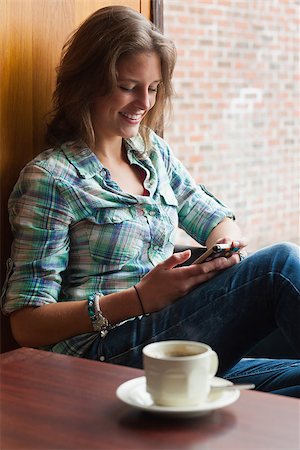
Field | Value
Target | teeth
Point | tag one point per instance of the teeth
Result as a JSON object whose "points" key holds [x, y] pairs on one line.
{"points": [[132, 116]]}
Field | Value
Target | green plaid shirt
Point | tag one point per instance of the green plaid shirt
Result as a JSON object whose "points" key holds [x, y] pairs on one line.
{"points": [[76, 232]]}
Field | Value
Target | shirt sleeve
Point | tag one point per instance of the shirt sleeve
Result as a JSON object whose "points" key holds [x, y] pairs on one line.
{"points": [[40, 222], [199, 211]]}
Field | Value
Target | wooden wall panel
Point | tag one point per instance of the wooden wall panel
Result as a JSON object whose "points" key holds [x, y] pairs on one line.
{"points": [[32, 33]]}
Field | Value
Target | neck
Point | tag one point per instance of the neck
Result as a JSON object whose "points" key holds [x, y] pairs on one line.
{"points": [[110, 150]]}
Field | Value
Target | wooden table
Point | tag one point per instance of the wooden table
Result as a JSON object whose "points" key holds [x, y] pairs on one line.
{"points": [[51, 401]]}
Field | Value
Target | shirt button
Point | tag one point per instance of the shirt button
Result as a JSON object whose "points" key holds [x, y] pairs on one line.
{"points": [[152, 213]]}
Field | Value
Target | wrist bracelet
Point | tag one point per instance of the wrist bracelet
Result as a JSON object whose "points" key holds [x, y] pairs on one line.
{"points": [[140, 300], [99, 322]]}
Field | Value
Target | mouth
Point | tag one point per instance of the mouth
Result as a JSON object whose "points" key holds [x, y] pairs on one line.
{"points": [[132, 118]]}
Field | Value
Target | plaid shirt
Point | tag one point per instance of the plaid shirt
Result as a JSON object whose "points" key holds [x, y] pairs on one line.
{"points": [[76, 232]]}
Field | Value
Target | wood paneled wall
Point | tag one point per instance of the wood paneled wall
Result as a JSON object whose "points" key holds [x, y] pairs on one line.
{"points": [[32, 33]]}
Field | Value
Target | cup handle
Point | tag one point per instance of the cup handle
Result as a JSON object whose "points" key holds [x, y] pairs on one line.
{"points": [[214, 363]]}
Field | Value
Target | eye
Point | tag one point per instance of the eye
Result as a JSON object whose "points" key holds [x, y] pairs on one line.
{"points": [[126, 88], [154, 88]]}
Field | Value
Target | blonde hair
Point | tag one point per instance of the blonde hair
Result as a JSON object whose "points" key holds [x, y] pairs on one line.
{"points": [[88, 69]]}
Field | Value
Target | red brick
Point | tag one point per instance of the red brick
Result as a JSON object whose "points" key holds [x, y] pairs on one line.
{"points": [[237, 107]]}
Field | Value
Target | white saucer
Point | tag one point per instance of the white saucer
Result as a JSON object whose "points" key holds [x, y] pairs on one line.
{"points": [[133, 393]]}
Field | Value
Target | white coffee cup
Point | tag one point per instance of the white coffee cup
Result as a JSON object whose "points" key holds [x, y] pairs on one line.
{"points": [[179, 373]]}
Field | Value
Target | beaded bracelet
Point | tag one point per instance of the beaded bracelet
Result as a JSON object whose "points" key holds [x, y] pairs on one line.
{"points": [[99, 321]]}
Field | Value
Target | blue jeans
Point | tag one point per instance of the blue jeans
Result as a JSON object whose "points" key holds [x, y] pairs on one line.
{"points": [[231, 313]]}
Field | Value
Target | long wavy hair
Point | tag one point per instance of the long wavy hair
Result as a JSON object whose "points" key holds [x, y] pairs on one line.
{"points": [[88, 69]]}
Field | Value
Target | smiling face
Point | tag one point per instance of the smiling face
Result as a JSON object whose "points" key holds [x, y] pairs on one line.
{"points": [[119, 115]]}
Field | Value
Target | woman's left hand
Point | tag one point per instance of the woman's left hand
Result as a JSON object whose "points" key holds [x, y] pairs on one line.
{"points": [[241, 244], [229, 232]]}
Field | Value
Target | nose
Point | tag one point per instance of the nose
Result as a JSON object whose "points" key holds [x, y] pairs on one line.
{"points": [[143, 99]]}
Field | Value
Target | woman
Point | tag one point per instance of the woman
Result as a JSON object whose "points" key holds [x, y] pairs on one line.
{"points": [[92, 272]]}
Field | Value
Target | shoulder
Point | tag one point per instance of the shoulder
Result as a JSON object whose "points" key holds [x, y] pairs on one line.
{"points": [[51, 162], [44, 177], [69, 164], [38, 177]]}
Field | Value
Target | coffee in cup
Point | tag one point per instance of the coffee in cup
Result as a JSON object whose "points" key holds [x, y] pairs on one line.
{"points": [[179, 373]]}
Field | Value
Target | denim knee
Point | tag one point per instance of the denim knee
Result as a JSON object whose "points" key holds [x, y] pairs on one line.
{"points": [[278, 376]]}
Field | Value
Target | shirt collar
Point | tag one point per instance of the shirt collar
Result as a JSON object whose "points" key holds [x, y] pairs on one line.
{"points": [[86, 162], [83, 159], [136, 145]]}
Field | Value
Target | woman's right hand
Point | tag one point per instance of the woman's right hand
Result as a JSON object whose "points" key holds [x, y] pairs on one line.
{"points": [[166, 283]]}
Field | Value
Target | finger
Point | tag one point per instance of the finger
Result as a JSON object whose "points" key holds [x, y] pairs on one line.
{"points": [[199, 279], [240, 243], [234, 259], [175, 259], [206, 267]]}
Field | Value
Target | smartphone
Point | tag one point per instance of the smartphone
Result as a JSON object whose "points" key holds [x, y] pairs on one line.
{"points": [[215, 251]]}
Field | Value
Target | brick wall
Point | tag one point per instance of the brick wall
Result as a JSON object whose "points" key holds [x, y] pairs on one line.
{"points": [[235, 121]]}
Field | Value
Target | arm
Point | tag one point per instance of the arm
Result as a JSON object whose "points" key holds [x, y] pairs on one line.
{"points": [[40, 219], [199, 211], [226, 231], [52, 323], [55, 322]]}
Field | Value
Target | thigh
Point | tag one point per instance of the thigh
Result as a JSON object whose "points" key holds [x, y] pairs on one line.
{"points": [[230, 312], [278, 376]]}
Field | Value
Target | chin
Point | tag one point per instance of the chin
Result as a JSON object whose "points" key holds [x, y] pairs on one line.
{"points": [[130, 134]]}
